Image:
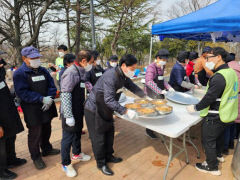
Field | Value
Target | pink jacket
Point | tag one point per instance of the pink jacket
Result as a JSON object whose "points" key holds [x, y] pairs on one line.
{"points": [[236, 66]]}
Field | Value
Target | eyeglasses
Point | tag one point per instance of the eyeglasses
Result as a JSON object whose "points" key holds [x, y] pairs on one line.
{"points": [[208, 57]]}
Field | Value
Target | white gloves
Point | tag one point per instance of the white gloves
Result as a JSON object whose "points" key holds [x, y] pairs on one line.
{"points": [[46, 107], [164, 92], [70, 121], [47, 100], [199, 84], [171, 90], [191, 109], [131, 114]]}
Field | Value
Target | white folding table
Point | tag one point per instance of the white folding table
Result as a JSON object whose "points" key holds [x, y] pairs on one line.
{"points": [[173, 126]]}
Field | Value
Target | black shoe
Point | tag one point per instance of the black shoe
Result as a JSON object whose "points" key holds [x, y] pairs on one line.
{"points": [[17, 162], [6, 174], [39, 163], [114, 159], [203, 167], [231, 145], [151, 134], [50, 152], [106, 170], [225, 152]]}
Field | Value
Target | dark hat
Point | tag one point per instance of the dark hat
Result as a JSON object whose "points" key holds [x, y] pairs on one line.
{"points": [[30, 52], [230, 57], [113, 58], [207, 49], [182, 55], [193, 55], [163, 54]]}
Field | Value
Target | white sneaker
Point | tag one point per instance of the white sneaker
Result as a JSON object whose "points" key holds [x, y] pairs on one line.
{"points": [[81, 157], [204, 168], [69, 170], [221, 159]]}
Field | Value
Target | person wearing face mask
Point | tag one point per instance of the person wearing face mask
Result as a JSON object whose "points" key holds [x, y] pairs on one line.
{"points": [[155, 86], [10, 126], [72, 110], [218, 108], [62, 50], [95, 73], [112, 62], [202, 73], [178, 79], [35, 88], [101, 104]]}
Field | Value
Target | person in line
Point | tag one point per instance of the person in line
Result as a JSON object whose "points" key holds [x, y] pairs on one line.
{"points": [[10, 125], [218, 107], [178, 79], [95, 73], [72, 110], [62, 50], [101, 104], [35, 88], [68, 60], [155, 86], [202, 72], [193, 56], [112, 62], [232, 129]]}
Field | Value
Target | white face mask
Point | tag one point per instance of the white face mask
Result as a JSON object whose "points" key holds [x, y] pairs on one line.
{"points": [[160, 63], [88, 67], [61, 54], [35, 63], [113, 64], [98, 62], [129, 74], [210, 65]]}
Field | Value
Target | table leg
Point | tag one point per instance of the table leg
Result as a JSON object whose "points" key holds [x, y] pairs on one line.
{"points": [[185, 149], [194, 146], [169, 157]]}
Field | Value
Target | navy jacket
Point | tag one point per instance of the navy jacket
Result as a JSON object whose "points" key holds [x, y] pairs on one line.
{"points": [[20, 80], [109, 83], [177, 75]]}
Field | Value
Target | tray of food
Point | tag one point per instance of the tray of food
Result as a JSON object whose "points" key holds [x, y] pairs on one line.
{"points": [[133, 106], [158, 102], [164, 109], [146, 112]]}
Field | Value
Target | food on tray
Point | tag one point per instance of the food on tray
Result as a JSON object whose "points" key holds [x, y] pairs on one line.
{"points": [[159, 101], [164, 108], [146, 111], [141, 101], [133, 106]]}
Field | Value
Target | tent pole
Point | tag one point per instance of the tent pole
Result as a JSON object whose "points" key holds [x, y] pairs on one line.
{"points": [[150, 53]]}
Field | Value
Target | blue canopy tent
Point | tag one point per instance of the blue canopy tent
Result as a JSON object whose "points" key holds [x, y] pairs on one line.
{"points": [[220, 20]]}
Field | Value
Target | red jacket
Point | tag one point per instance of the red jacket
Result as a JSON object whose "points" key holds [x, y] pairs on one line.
{"points": [[189, 68]]}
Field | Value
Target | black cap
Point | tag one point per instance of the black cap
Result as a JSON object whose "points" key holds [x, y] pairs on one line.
{"points": [[113, 58], [182, 55], [163, 54], [193, 55], [207, 49]]}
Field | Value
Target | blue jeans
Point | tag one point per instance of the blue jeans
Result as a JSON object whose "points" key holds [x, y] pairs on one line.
{"points": [[229, 135], [70, 139]]}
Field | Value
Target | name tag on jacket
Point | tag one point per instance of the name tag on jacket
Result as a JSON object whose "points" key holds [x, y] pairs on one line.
{"points": [[38, 78], [82, 85], [98, 74], [2, 85], [160, 78]]}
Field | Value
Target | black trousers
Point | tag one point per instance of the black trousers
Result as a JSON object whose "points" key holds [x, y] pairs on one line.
{"points": [[7, 151], [213, 140], [102, 143], [70, 139], [38, 136]]}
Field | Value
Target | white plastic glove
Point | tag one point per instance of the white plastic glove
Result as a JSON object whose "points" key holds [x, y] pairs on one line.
{"points": [[199, 85], [164, 92], [171, 90], [131, 114], [47, 100], [46, 107], [191, 109], [70, 121]]}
